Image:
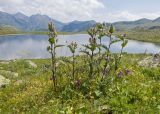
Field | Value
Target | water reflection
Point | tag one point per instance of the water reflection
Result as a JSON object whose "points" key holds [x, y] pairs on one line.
{"points": [[34, 46]]}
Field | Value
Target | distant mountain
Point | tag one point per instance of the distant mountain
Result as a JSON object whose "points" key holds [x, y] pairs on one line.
{"points": [[77, 26], [23, 21], [141, 23], [39, 22], [33, 23], [7, 19], [157, 20], [20, 16]]}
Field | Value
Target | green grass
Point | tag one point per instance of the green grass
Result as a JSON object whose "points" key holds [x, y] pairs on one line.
{"points": [[8, 30], [145, 35], [138, 92], [13, 31]]}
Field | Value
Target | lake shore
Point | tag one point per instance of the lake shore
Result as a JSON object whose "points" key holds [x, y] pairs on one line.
{"points": [[34, 46], [41, 33], [152, 36], [137, 36]]}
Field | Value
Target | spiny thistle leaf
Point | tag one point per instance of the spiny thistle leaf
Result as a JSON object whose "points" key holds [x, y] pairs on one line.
{"points": [[111, 29], [124, 43], [71, 49], [105, 47], [120, 37], [93, 47], [87, 47], [51, 40], [115, 41], [57, 46], [48, 48]]}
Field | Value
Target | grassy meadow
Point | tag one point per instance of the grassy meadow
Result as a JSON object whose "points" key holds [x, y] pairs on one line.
{"points": [[32, 90], [142, 35], [5, 30]]}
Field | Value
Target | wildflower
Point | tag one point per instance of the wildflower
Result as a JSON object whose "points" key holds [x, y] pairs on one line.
{"points": [[120, 74], [128, 72], [78, 83]]}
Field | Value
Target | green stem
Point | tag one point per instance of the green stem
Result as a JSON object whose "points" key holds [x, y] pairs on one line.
{"points": [[73, 64], [53, 64], [107, 61], [91, 64]]}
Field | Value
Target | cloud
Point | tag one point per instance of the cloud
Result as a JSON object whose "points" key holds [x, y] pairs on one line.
{"points": [[69, 10], [122, 15], [128, 16], [63, 10]]}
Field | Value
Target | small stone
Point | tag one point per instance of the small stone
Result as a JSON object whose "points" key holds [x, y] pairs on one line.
{"points": [[151, 61], [3, 81], [4, 62], [14, 60], [15, 75], [9, 73]]}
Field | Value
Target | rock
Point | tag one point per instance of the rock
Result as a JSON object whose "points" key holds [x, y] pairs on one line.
{"points": [[3, 81], [13, 60], [14, 74], [4, 62], [32, 64], [156, 58], [9, 73], [151, 61]]}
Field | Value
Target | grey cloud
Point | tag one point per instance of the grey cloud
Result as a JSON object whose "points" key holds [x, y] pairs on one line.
{"points": [[63, 10]]}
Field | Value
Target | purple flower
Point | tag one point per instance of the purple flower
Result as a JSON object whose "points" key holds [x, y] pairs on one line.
{"points": [[78, 83], [128, 72], [120, 74]]}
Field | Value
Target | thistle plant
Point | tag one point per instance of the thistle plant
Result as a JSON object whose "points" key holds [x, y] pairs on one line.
{"points": [[101, 32], [52, 50], [110, 32], [107, 67], [91, 48], [73, 47], [123, 44]]}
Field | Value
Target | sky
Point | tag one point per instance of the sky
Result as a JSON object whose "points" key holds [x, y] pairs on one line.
{"points": [[82, 10]]}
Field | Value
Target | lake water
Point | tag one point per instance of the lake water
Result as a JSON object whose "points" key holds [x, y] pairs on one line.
{"points": [[34, 46]]}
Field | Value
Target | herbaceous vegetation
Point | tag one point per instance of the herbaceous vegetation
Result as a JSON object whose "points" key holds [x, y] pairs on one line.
{"points": [[97, 82], [73, 47], [52, 50]]}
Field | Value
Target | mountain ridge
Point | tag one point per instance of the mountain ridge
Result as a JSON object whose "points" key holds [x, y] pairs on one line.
{"points": [[38, 22]]}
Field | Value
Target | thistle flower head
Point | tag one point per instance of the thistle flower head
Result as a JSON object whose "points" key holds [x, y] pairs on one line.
{"points": [[128, 72], [78, 83], [52, 30], [120, 74]]}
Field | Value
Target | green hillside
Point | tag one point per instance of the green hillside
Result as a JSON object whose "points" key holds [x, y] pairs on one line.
{"points": [[142, 35], [8, 30]]}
